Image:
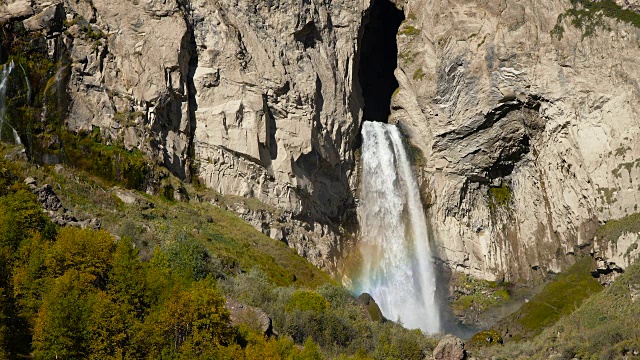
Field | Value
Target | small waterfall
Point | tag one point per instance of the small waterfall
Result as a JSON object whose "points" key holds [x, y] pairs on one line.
{"points": [[4, 79], [26, 80], [397, 266]]}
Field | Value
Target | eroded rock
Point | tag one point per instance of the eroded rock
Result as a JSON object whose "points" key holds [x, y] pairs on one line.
{"points": [[251, 316], [449, 348]]}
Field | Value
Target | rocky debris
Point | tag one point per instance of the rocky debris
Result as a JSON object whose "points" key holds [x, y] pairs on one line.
{"points": [[130, 198], [606, 271], [17, 9], [449, 348], [317, 243], [612, 257], [370, 308], [251, 316], [49, 19], [48, 198], [54, 208]]}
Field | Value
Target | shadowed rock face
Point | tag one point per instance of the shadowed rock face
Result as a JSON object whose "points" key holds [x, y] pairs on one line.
{"points": [[378, 59]]}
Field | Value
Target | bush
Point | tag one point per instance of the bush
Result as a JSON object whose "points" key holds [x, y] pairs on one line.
{"points": [[306, 300]]}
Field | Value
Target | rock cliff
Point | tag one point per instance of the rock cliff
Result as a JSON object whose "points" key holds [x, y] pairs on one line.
{"points": [[526, 115], [522, 115]]}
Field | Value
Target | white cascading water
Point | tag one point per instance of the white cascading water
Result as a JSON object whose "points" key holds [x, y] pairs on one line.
{"points": [[26, 80], [397, 266], [4, 79]]}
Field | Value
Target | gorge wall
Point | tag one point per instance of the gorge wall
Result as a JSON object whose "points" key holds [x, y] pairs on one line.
{"points": [[523, 124], [526, 114]]}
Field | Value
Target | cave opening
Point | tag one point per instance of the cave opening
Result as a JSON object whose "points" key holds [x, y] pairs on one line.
{"points": [[378, 59]]}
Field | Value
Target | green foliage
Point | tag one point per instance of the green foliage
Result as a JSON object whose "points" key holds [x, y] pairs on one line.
{"points": [[409, 30], [60, 329], [86, 251], [186, 257], [112, 163], [407, 57], [419, 74], [331, 317], [588, 15], [486, 338], [499, 196], [305, 300], [557, 299], [170, 307], [475, 296], [603, 327], [613, 229]]}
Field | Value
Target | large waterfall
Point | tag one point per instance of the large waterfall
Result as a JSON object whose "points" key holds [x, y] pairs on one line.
{"points": [[397, 266]]}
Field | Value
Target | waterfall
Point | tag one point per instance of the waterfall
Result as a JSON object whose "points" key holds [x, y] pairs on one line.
{"points": [[4, 79], [26, 80], [397, 268]]}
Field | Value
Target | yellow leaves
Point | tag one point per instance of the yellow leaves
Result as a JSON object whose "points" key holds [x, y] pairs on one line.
{"points": [[198, 315], [83, 250]]}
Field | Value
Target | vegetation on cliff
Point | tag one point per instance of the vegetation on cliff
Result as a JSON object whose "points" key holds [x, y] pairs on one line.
{"points": [[158, 292]]}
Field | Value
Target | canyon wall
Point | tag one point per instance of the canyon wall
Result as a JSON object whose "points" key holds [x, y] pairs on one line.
{"points": [[528, 128], [522, 115], [256, 99]]}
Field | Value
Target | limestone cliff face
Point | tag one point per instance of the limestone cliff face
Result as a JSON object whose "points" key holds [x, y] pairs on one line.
{"points": [[257, 99], [528, 127]]}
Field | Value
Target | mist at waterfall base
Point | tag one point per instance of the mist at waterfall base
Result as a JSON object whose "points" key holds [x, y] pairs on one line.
{"points": [[397, 269]]}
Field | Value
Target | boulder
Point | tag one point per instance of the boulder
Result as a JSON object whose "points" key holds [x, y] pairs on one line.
{"points": [[49, 19], [371, 309], [48, 198], [449, 348], [15, 9], [251, 316]]}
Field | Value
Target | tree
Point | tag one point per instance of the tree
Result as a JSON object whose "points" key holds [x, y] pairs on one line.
{"points": [[83, 250], [127, 280], [61, 327]]}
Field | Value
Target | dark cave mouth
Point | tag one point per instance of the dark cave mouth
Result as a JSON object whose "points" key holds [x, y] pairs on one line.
{"points": [[378, 58]]}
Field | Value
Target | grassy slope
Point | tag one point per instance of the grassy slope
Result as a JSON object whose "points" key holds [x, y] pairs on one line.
{"points": [[604, 327], [160, 221], [557, 299]]}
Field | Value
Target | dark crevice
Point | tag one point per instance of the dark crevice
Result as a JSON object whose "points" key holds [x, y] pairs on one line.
{"points": [[378, 59]]}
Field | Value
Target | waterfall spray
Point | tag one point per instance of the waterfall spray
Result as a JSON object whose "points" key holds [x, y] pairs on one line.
{"points": [[4, 79], [397, 266]]}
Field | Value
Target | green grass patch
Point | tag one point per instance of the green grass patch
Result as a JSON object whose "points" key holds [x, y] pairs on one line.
{"points": [[613, 229], [499, 196], [605, 326], [419, 74], [232, 242], [409, 30], [112, 163], [559, 298], [305, 300], [475, 296], [588, 15]]}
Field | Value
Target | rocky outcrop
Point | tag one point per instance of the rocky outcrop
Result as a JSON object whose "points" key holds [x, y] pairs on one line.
{"points": [[370, 308], [277, 111], [253, 317], [52, 205], [449, 348], [526, 126], [257, 100], [15, 10]]}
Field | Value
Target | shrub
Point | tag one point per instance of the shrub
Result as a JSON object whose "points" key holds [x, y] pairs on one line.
{"points": [[306, 300]]}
